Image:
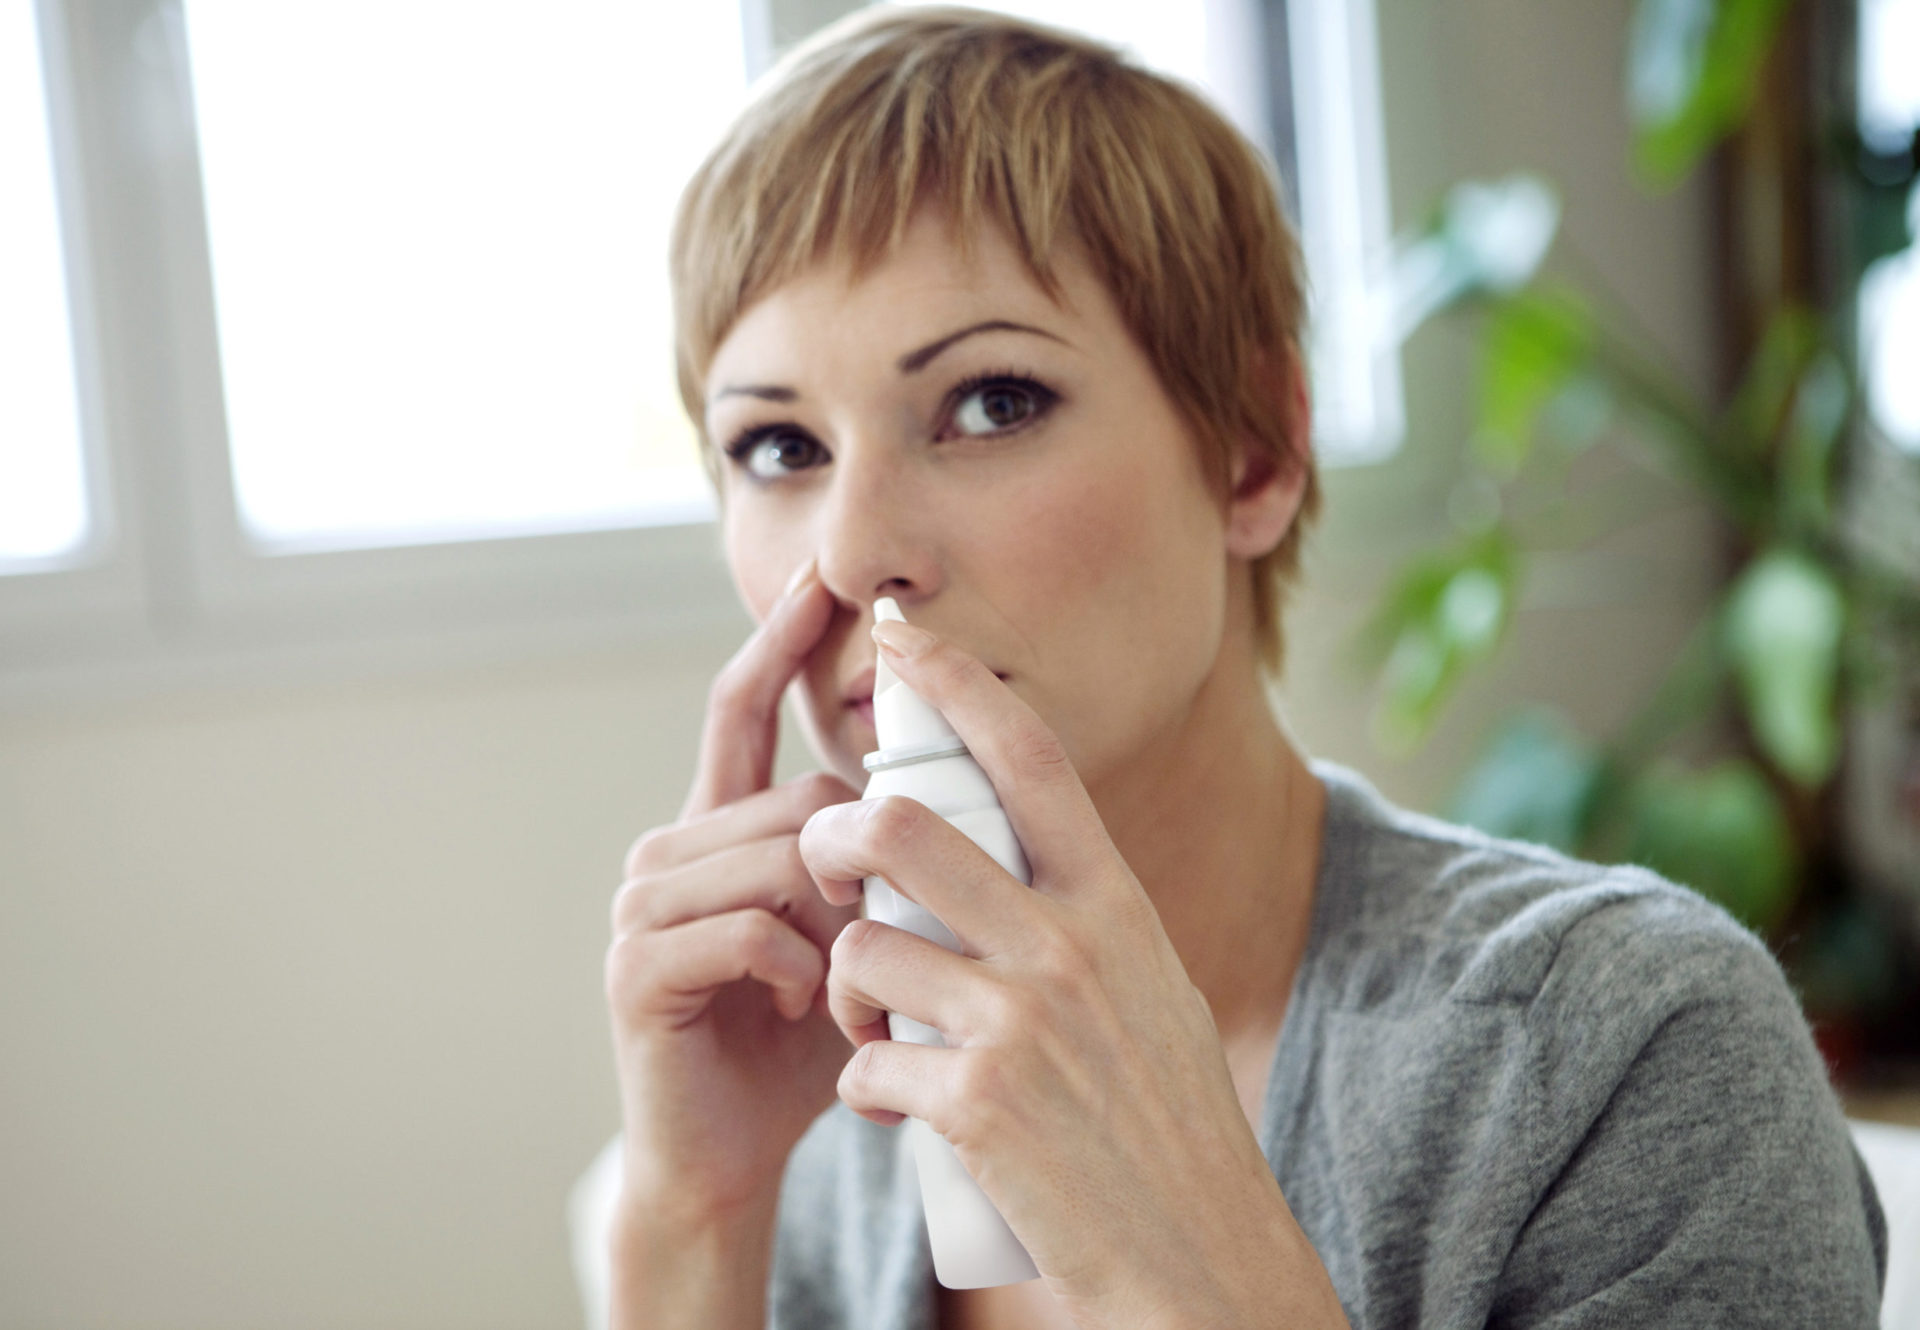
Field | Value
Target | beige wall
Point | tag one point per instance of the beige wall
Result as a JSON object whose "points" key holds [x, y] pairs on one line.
{"points": [[300, 1018]]}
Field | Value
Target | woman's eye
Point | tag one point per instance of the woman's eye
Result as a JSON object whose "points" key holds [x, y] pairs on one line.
{"points": [[996, 406], [775, 453]]}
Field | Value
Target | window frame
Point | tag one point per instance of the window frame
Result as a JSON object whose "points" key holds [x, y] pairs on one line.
{"points": [[174, 588], [95, 587], [1331, 49]]}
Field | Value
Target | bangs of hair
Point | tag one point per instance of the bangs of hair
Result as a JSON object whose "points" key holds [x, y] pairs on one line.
{"points": [[1058, 141]]}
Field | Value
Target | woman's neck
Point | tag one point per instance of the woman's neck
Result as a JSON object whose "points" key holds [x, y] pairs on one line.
{"points": [[1222, 823]]}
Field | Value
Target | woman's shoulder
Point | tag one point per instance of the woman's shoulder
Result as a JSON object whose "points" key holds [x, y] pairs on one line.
{"points": [[1606, 1061], [1463, 917]]}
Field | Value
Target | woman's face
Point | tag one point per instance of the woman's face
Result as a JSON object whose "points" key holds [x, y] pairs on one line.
{"points": [[1005, 466]]}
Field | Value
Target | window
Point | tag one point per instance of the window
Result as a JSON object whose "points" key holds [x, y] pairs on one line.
{"points": [[1889, 89], [271, 237], [45, 520], [1330, 51], [438, 260], [355, 292]]}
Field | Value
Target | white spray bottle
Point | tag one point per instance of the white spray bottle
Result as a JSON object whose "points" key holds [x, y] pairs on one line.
{"points": [[922, 758]]}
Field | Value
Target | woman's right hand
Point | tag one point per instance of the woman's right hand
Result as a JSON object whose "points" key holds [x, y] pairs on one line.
{"points": [[716, 974]]}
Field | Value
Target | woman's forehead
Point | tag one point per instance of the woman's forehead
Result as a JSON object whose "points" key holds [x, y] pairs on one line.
{"points": [[931, 278]]}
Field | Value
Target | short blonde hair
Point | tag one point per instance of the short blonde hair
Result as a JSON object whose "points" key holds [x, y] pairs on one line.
{"points": [[1054, 138]]}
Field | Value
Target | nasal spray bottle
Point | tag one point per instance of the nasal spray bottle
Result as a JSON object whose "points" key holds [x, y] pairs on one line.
{"points": [[921, 757]]}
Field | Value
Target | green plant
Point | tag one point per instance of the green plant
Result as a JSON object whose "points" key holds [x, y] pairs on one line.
{"points": [[1804, 625]]}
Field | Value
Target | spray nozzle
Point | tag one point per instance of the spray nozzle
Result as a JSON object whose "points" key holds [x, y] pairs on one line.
{"points": [[901, 717]]}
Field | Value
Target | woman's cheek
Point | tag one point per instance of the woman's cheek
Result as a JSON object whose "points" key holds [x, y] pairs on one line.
{"points": [[1076, 533], [1083, 544]]}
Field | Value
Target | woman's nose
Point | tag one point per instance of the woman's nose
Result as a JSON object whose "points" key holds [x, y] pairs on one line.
{"points": [[876, 535]]}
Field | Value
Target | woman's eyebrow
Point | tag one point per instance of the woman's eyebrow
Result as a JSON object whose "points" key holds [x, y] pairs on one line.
{"points": [[766, 392], [915, 361], [911, 363]]}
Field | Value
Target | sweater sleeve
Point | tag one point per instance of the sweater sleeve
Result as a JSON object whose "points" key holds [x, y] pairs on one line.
{"points": [[1701, 1173]]}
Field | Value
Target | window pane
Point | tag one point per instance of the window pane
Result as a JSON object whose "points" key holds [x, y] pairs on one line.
{"points": [[1890, 346], [43, 493], [1889, 72], [438, 231], [1890, 290]]}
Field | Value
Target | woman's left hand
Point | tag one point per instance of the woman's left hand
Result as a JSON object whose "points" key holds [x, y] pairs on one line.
{"points": [[1084, 1085]]}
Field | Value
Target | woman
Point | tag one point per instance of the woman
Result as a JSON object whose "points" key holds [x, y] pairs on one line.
{"points": [[973, 315]]}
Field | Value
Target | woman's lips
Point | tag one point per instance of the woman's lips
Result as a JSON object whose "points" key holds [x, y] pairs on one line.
{"points": [[859, 696], [863, 706]]}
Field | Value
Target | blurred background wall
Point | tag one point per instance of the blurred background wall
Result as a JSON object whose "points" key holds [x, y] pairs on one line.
{"points": [[300, 1009]]}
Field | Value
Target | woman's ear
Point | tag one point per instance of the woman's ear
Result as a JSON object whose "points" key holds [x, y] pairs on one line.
{"points": [[1269, 484]]}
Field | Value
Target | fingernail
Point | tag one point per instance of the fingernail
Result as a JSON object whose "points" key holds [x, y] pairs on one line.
{"points": [[901, 639], [798, 580]]}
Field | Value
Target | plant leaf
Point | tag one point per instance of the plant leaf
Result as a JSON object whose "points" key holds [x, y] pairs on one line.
{"points": [[1789, 344], [1534, 781], [1720, 831], [1444, 612], [1783, 624], [1486, 237], [1532, 353], [1692, 71], [1821, 407]]}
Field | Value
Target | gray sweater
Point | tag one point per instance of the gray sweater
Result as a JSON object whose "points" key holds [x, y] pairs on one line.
{"points": [[1511, 1090]]}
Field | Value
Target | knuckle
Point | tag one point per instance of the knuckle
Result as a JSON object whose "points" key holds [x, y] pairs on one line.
{"points": [[624, 970], [1038, 750], [893, 822], [820, 789], [861, 1068], [755, 931], [788, 861], [855, 940], [815, 834], [629, 905], [732, 689], [976, 1080], [648, 852], [1056, 950], [860, 1076], [727, 684], [1002, 1008], [949, 663], [1067, 964], [979, 1088], [837, 992]]}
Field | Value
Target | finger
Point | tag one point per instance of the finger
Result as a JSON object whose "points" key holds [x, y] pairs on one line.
{"points": [[929, 861], [742, 725], [889, 1080], [765, 874], [875, 968], [770, 812], [1052, 814], [671, 976]]}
